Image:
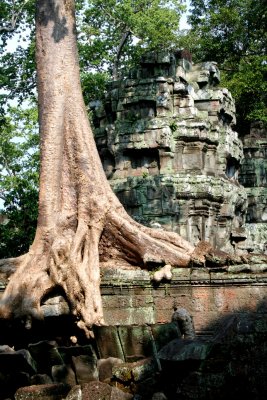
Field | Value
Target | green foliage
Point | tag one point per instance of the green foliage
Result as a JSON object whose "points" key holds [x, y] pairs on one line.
{"points": [[18, 74], [234, 34], [17, 66], [19, 169], [15, 17], [93, 85], [145, 174], [115, 33], [231, 28], [248, 86], [19, 155], [111, 37], [173, 125]]}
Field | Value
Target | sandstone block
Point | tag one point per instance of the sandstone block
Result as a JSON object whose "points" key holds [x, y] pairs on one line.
{"points": [[40, 379], [63, 374], [117, 394], [68, 352], [14, 361], [100, 390], [136, 341], [108, 342], [75, 393], [184, 349], [105, 366], [96, 390], [136, 371], [85, 368], [46, 354], [42, 392], [55, 306]]}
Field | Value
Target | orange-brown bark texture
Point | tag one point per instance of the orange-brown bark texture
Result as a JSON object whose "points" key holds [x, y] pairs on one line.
{"points": [[81, 225]]}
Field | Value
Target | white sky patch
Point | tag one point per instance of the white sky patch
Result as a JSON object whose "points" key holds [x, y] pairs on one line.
{"points": [[183, 21]]}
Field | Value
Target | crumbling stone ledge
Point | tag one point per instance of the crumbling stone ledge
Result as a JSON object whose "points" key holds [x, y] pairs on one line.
{"points": [[130, 297]]}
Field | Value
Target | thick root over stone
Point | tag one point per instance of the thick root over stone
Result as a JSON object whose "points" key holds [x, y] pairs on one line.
{"points": [[26, 288], [70, 260], [70, 263]]}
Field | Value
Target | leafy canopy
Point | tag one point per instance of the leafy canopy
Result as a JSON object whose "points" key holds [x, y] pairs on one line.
{"points": [[117, 31], [234, 34], [19, 170]]}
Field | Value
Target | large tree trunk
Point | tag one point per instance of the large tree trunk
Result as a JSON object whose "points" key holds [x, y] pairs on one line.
{"points": [[81, 223]]}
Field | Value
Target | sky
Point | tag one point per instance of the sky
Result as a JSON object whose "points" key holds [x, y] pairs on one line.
{"points": [[183, 20]]}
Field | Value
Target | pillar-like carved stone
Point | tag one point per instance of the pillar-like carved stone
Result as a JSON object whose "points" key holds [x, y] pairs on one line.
{"points": [[253, 175]]}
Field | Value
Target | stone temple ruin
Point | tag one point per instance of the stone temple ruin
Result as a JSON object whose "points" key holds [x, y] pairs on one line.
{"points": [[168, 145]]}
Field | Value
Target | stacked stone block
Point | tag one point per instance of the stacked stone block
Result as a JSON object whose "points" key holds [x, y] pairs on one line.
{"points": [[165, 136], [253, 175]]}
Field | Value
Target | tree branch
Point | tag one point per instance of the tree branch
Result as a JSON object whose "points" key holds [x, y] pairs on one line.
{"points": [[11, 25], [118, 54]]}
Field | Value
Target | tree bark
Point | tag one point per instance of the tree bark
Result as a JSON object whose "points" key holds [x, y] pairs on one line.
{"points": [[81, 223]]}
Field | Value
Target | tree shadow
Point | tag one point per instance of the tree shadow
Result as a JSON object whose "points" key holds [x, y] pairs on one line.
{"points": [[235, 365]]}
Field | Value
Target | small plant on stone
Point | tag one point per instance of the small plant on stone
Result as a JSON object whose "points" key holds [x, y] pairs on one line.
{"points": [[173, 126], [145, 174]]}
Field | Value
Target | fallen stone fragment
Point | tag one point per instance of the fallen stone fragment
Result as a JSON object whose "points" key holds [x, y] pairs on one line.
{"points": [[67, 353], [105, 366], [108, 342], [10, 382], [63, 374], [6, 349], [43, 392], [41, 379], [164, 333], [136, 341], [46, 355], [96, 391], [20, 360], [184, 349], [137, 371], [103, 391], [159, 396], [75, 393], [145, 388], [85, 368], [117, 394], [55, 306]]}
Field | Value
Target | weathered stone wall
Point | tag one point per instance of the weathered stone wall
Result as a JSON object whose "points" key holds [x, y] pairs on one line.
{"points": [[227, 356], [165, 135], [130, 297], [253, 176]]}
